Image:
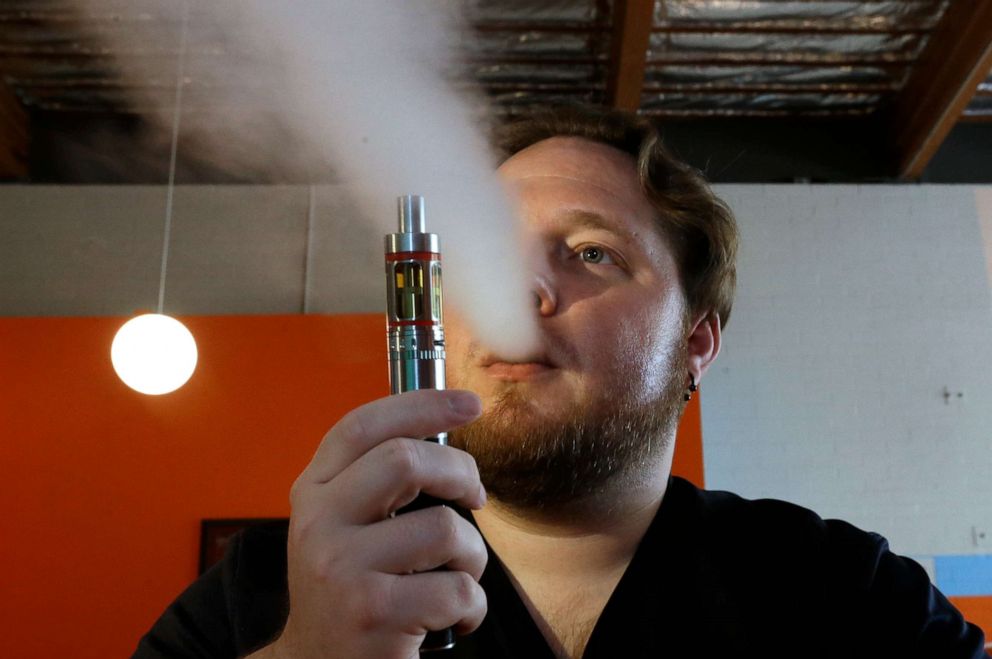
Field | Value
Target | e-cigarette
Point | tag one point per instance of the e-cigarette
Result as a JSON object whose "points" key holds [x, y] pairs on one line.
{"points": [[413, 315], [415, 331]]}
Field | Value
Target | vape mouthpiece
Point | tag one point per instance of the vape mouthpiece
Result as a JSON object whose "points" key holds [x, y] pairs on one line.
{"points": [[411, 214]]}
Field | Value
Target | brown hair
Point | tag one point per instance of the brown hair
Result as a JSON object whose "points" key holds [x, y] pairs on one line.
{"points": [[699, 226]]}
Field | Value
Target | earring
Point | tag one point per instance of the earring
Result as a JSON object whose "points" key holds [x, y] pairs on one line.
{"points": [[692, 387]]}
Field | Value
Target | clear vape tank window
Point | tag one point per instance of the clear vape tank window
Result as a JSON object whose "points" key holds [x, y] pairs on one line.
{"points": [[409, 278], [436, 292]]}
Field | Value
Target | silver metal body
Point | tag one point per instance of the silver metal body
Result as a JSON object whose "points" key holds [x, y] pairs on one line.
{"points": [[415, 329]]}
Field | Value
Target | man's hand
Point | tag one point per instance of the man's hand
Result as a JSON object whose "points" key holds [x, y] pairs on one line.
{"points": [[360, 581]]}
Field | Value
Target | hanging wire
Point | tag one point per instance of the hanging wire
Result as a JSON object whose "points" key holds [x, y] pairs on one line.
{"points": [[311, 211], [180, 75]]}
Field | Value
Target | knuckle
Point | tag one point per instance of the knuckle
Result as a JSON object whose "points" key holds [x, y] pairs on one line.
{"points": [[373, 601], [296, 491], [474, 466], [352, 427], [323, 571], [300, 529], [466, 590], [403, 456], [307, 522], [304, 530], [327, 568], [479, 553], [471, 467], [448, 529]]}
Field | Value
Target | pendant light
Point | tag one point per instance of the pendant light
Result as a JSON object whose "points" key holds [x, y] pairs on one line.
{"points": [[154, 353]]}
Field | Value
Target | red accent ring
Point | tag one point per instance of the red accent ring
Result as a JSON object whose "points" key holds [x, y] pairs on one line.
{"points": [[413, 256]]}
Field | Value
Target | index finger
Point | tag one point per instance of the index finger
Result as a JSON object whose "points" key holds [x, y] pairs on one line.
{"points": [[414, 414]]}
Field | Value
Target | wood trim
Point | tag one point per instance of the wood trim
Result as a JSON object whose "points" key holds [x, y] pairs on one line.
{"points": [[801, 27], [976, 118], [709, 88], [881, 60], [632, 21], [14, 136], [956, 59]]}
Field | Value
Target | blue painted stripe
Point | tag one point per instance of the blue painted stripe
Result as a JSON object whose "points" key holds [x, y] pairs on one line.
{"points": [[964, 575]]}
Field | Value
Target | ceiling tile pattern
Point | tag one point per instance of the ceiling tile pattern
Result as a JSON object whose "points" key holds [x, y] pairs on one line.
{"points": [[766, 57], [100, 81], [705, 57]]}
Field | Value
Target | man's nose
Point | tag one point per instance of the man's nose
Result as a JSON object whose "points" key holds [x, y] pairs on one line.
{"points": [[540, 258], [545, 297]]}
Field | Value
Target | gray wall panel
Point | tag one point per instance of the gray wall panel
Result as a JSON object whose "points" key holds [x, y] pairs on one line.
{"points": [[346, 271], [79, 250], [96, 250], [237, 250]]}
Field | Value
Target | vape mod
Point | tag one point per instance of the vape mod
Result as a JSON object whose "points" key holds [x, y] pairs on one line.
{"points": [[415, 332]]}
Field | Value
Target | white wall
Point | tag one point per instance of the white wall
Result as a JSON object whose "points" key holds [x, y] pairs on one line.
{"points": [[857, 307]]}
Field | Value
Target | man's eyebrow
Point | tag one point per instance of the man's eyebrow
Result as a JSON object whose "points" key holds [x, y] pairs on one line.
{"points": [[590, 220]]}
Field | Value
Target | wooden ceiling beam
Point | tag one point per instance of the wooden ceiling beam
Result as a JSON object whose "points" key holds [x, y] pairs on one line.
{"points": [[632, 23], [14, 136], [956, 59]]}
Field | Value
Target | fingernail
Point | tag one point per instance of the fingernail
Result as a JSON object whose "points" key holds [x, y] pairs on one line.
{"points": [[465, 403], [482, 495]]}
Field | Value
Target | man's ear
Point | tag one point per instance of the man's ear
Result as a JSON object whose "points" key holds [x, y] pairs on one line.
{"points": [[703, 343]]}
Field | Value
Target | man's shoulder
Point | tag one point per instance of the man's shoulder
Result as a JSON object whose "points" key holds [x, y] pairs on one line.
{"points": [[785, 536], [806, 567], [720, 505], [769, 520]]}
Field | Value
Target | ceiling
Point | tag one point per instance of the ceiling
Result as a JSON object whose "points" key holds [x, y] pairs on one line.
{"points": [[748, 90]]}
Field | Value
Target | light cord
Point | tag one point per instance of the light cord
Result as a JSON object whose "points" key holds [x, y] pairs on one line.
{"points": [[311, 211], [180, 75]]}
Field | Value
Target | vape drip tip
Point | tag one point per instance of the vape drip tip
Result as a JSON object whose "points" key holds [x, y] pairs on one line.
{"points": [[411, 214]]}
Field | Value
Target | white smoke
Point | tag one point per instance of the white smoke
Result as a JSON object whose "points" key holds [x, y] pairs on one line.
{"points": [[371, 87]]}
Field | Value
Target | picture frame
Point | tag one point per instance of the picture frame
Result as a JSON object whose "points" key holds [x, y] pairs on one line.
{"points": [[216, 534]]}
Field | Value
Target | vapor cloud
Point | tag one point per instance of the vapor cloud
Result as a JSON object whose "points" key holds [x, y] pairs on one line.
{"points": [[370, 87]]}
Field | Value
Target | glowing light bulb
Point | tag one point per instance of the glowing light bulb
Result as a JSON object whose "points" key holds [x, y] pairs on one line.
{"points": [[153, 354]]}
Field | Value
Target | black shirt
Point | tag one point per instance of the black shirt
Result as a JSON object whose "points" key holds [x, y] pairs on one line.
{"points": [[714, 576]]}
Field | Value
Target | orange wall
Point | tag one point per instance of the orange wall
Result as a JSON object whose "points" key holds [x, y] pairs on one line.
{"points": [[103, 489], [979, 611]]}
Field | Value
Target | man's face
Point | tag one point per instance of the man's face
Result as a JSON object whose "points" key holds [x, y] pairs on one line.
{"points": [[611, 313], [610, 304]]}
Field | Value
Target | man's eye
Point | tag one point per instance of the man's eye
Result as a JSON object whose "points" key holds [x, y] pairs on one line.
{"points": [[593, 254]]}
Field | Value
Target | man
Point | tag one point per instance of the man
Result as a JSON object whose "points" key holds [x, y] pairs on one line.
{"points": [[570, 539]]}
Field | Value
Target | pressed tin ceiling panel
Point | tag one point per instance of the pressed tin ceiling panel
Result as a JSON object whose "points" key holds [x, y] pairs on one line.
{"points": [[717, 56], [737, 57], [795, 59]]}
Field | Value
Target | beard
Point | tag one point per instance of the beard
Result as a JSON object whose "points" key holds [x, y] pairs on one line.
{"points": [[546, 464]]}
